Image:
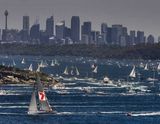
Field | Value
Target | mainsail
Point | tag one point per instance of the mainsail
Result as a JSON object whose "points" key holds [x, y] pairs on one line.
{"points": [[146, 67], [158, 68], [66, 71], [77, 72], [52, 63], [30, 68], [23, 61], [95, 70], [38, 68], [133, 73]]}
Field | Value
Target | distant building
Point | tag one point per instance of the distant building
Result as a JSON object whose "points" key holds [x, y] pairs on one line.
{"points": [[25, 30], [60, 30], [26, 23], [75, 29], [86, 31], [150, 39], [94, 35], [50, 26], [140, 37], [35, 32], [67, 33], [132, 38], [109, 35], [117, 31], [104, 32]]}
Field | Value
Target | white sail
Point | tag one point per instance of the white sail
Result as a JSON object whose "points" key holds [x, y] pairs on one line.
{"points": [[133, 73], [158, 68], [23, 61], [30, 68], [33, 104], [52, 63], [14, 64], [38, 68], [66, 71], [146, 67], [77, 72], [56, 62], [95, 70]]}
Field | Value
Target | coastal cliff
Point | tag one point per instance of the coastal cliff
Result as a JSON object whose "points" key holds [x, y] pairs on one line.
{"points": [[12, 75]]}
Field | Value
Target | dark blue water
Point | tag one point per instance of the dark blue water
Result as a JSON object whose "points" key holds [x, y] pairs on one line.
{"points": [[85, 98]]}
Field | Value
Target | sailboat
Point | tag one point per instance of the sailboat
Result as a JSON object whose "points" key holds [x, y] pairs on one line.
{"points": [[23, 61], [56, 62], [77, 72], [52, 63], [158, 68], [39, 103], [146, 67], [30, 68], [38, 69], [66, 71], [95, 70], [133, 73], [14, 64]]}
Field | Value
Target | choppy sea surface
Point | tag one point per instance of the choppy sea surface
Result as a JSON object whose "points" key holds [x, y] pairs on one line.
{"points": [[85, 99]]}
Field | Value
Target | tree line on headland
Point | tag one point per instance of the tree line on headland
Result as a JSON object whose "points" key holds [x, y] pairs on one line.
{"points": [[142, 51]]}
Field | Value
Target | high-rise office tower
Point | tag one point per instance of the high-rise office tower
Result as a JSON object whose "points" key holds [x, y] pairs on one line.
{"points": [[140, 37], [25, 31], [60, 30], [132, 38], [35, 32], [117, 31], [26, 23], [75, 29], [86, 32], [50, 26], [104, 32]]}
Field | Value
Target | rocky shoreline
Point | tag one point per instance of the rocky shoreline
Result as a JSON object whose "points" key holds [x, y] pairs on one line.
{"points": [[12, 75]]}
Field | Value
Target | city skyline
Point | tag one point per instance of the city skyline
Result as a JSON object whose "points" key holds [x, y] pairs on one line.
{"points": [[134, 14]]}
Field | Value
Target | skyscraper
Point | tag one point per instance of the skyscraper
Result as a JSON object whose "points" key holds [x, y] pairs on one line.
{"points": [[26, 23], [116, 33], [104, 32], [140, 37], [35, 32], [75, 28], [60, 30], [86, 32], [25, 31], [50, 26]]}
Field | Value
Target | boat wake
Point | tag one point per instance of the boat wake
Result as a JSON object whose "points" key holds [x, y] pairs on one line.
{"points": [[146, 114]]}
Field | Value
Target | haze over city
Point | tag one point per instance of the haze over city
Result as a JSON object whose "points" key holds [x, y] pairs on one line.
{"points": [[134, 14]]}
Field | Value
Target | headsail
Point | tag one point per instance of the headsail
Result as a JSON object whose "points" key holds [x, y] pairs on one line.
{"points": [[33, 104]]}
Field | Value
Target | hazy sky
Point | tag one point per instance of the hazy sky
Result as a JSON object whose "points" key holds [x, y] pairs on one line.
{"points": [[134, 14]]}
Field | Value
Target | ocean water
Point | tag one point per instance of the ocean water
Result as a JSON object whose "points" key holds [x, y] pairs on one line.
{"points": [[85, 98]]}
